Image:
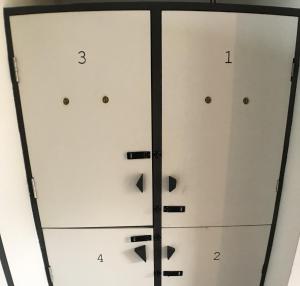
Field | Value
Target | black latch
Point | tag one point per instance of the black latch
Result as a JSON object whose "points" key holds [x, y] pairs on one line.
{"points": [[174, 209], [139, 238], [173, 273], [172, 183], [140, 183], [138, 155], [141, 252], [170, 251]]}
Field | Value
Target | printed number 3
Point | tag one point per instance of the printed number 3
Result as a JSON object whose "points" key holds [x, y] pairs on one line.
{"points": [[83, 58]]}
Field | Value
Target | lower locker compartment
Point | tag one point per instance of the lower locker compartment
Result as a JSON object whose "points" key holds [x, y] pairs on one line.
{"points": [[214, 256], [94, 257]]}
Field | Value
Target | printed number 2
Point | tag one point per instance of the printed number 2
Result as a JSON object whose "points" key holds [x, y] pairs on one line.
{"points": [[100, 258], [228, 61], [82, 58], [217, 256]]}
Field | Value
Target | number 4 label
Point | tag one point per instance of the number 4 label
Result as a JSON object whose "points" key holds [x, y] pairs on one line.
{"points": [[100, 258]]}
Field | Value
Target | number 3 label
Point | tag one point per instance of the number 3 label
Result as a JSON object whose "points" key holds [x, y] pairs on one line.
{"points": [[82, 57]]}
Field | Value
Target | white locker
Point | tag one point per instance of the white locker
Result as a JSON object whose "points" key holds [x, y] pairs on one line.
{"points": [[226, 86], [230, 256], [99, 257], [71, 64], [209, 91]]}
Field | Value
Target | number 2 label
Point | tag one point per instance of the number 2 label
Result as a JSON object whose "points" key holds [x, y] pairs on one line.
{"points": [[217, 256]]}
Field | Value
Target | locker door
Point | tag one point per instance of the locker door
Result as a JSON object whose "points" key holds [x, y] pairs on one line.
{"points": [[99, 257], [226, 86], [84, 80], [215, 256]]}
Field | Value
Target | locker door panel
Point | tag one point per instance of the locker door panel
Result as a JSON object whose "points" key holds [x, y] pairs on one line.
{"points": [[98, 257], [215, 256], [226, 87], [84, 80]]}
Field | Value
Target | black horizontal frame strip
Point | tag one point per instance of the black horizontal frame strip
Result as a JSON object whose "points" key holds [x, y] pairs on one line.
{"points": [[288, 130], [184, 6], [101, 227], [5, 266]]}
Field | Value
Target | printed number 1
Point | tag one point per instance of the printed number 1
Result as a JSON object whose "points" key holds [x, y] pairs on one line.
{"points": [[228, 57]]}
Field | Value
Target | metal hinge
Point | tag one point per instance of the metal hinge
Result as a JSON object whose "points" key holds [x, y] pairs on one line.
{"points": [[293, 70], [16, 69], [50, 273], [34, 188], [277, 186]]}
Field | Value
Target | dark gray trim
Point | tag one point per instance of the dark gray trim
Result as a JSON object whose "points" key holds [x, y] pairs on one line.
{"points": [[163, 5], [288, 129], [156, 106]]}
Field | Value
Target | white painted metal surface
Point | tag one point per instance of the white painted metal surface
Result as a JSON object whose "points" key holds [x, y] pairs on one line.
{"points": [[215, 256], [78, 151], [225, 155], [75, 259]]}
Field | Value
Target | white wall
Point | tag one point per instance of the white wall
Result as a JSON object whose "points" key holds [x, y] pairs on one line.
{"points": [[16, 222], [295, 276]]}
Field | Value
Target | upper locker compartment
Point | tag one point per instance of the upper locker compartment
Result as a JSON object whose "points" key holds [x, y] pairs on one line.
{"points": [[85, 89], [226, 87]]}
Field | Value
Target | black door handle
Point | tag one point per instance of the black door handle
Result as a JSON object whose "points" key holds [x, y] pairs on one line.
{"points": [[173, 273], [138, 155], [174, 209], [140, 238]]}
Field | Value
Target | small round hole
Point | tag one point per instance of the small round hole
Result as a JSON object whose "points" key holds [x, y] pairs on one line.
{"points": [[246, 100], [66, 101], [105, 99], [208, 99]]}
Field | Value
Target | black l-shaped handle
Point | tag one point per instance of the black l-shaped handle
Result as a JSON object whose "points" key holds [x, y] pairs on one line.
{"points": [[173, 273]]}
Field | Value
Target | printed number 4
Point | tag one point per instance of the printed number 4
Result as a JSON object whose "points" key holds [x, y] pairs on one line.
{"points": [[82, 57], [100, 258]]}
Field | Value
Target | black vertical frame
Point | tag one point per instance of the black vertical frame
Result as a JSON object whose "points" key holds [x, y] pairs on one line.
{"points": [[26, 159], [156, 102], [5, 266], [155, 9], [284, 158]]}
